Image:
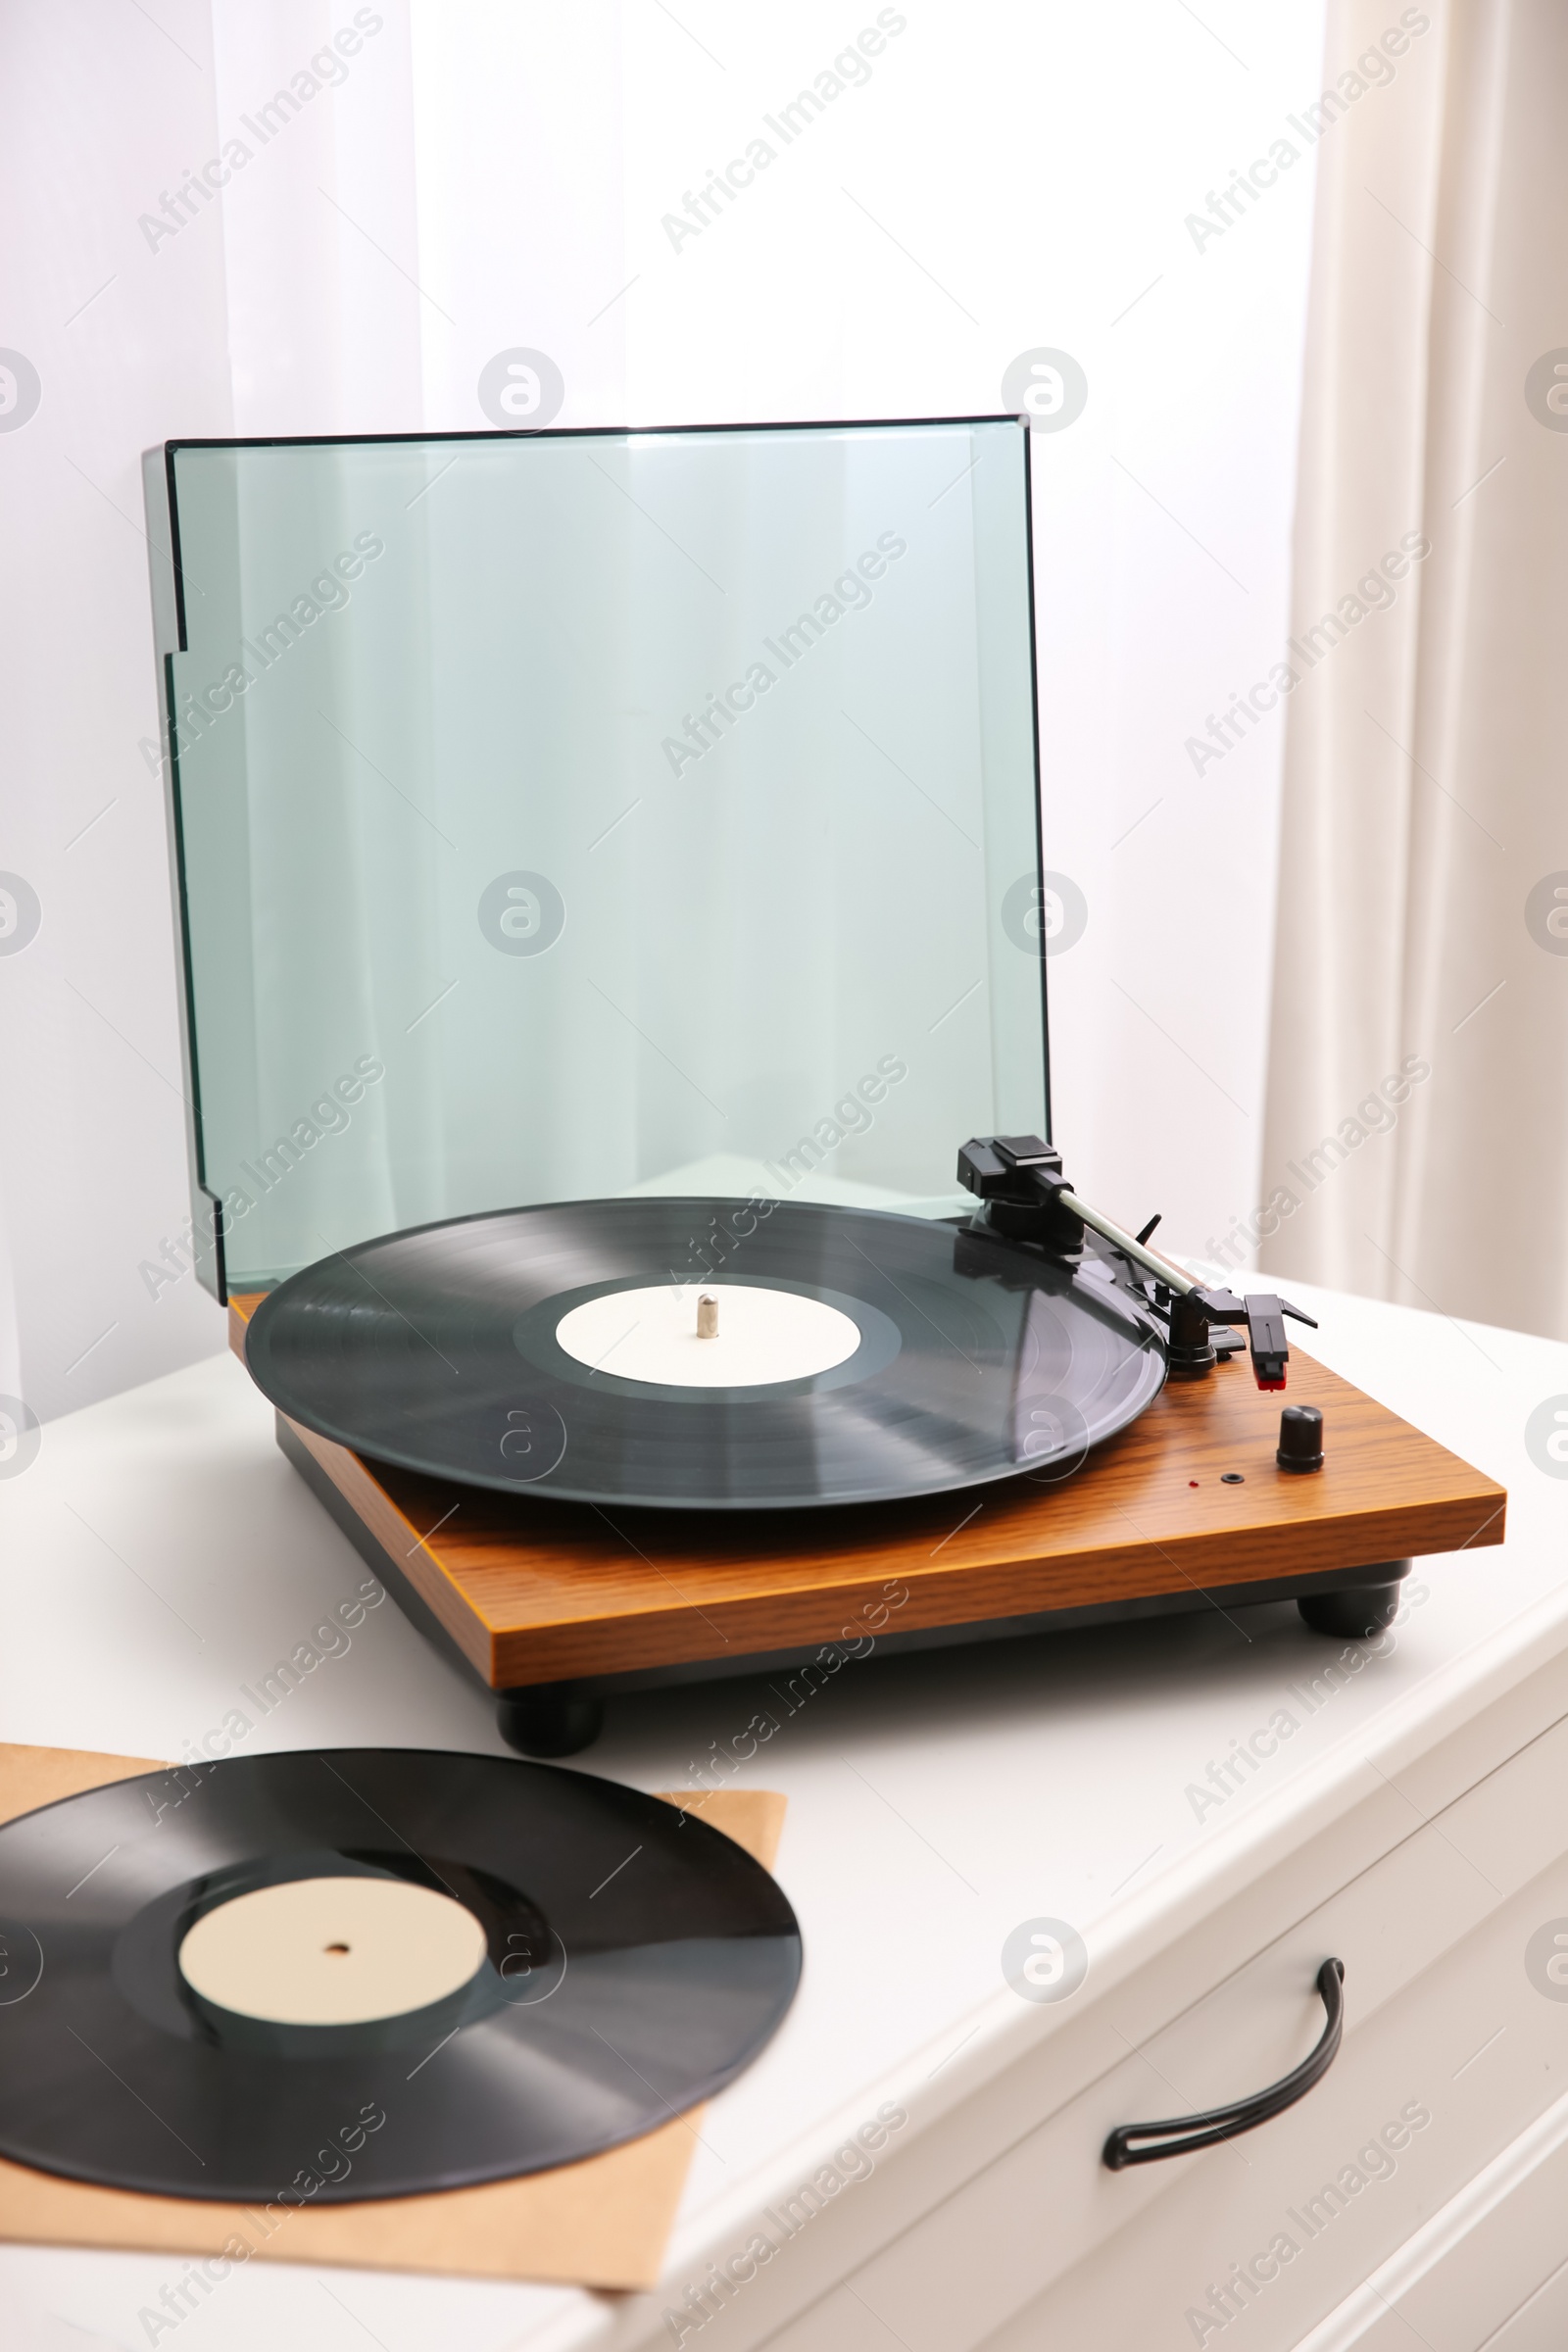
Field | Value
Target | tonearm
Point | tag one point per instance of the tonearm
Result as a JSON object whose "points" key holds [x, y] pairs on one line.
{"points": [[1028, 1198]]}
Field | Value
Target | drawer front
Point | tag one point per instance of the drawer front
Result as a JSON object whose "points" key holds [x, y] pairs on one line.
{"points": [[1261, 2238], [1046, 2245]]}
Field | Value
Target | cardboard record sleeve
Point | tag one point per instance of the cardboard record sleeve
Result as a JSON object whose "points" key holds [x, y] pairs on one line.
{"points": [[602, 2223]]}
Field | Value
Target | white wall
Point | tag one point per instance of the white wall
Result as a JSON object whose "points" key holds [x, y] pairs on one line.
{"points": [[490, 176]]}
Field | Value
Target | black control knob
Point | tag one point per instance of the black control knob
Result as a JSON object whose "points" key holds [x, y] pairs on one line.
{"points": [[1301, 1445]]}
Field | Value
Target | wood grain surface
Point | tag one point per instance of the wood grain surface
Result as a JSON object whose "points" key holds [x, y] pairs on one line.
{"points": [[535, 1591]]}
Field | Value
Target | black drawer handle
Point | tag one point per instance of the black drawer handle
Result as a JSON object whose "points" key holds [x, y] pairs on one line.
{"points": [[1224, 2122]]}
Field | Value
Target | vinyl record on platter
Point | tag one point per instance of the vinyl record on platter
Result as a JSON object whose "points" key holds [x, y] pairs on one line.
{"points": [[361, 1973], [843, 1355]]}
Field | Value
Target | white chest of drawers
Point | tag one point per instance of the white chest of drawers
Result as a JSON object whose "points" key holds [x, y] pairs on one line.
{"points": [[1407, 1811]]}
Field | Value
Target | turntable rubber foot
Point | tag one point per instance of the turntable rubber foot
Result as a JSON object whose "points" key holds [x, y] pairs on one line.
{"points": [[547, 1723], [1352, 1614]]}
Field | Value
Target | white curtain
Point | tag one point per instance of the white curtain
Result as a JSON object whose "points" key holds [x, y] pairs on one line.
{"points": [[1416, 1138]]}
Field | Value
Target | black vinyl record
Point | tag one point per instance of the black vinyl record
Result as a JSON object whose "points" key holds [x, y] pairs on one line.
{"points": [[969, 1358], [630, 1962]]}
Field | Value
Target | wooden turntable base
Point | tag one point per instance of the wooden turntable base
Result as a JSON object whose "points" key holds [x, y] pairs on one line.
{"points": [[534, 1593]]}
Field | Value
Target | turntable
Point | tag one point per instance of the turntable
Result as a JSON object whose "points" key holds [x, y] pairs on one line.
{"points": [[610, 896]]}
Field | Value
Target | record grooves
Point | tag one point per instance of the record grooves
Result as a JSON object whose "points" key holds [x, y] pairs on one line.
{"points": [[450, 1350], [630, 1962]]}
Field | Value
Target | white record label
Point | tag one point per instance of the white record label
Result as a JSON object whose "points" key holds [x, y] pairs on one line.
{"points": [[332, 1952], [762, 1336]]}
